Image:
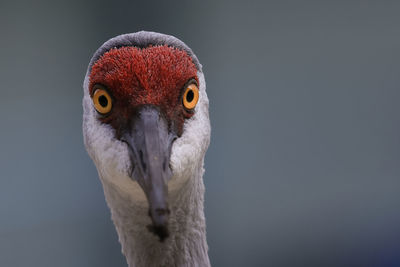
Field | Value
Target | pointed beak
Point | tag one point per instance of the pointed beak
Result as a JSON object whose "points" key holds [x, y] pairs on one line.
{"points": [[150, 143]]}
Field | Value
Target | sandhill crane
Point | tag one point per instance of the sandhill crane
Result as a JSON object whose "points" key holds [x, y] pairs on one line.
{"points": [[146, 127]]}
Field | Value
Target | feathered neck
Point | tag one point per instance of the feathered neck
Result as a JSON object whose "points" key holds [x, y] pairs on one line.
{"points": [[186, 245]]}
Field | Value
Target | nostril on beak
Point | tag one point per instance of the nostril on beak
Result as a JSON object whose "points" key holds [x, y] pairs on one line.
{"points": [[144, 166], [164, 165]]}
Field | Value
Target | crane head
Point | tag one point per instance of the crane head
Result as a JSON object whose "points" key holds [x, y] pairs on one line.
{"points": [[146, 118]]}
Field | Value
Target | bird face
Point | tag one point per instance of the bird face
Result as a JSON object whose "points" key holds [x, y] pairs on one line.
{"points": [[146, 123]]}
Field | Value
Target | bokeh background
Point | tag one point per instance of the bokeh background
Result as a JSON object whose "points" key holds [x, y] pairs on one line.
{"points": [[304, 163]]}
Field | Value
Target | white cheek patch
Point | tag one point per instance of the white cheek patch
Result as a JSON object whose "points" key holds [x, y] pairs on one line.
{"points": [[107, 152], [189, 149]]}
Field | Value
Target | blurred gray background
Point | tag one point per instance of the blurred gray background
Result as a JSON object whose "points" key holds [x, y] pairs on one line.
{"points": [[304, 163]]}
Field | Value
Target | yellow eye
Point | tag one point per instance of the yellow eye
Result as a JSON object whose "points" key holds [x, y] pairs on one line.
{"points": [[191, 97], [102, 101]]}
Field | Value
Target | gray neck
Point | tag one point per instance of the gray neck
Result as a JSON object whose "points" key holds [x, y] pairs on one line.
{"points": [[186, 245]]}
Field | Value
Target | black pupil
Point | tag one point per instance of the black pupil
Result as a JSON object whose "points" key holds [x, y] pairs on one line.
{"points": [[103, 101], [189, 96]]}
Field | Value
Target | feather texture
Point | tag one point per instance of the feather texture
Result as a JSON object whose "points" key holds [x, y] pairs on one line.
{"points": [[187, 244]]}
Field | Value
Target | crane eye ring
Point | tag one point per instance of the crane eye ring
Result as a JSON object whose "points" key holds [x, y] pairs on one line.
{"points": [[190, 97], [102, 101]]}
